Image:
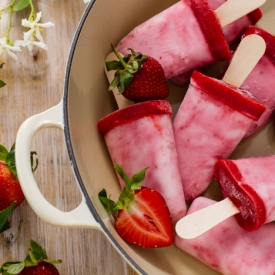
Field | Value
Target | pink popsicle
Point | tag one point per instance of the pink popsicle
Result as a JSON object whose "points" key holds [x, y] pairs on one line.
{"points": [[211, 121], [182, 38], [231, 33], [142, 136], [250, 185], [261, 81], [231, 250]]}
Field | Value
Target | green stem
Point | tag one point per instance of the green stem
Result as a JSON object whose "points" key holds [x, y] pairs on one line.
{"points": [[7, 34], [8, 6], [119, 56], [32, 14]]}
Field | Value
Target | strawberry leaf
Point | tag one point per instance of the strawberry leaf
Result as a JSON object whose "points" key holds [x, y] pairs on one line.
{"points": [[127, 78], [107, 203], [123, 175], [114, 83], [36, 254], [12, 267], [125, 68], [3, 153], [112, 65], [128, 193], [10, 160], [4, 215], [2, 83], [138, 179], [53, 261]]}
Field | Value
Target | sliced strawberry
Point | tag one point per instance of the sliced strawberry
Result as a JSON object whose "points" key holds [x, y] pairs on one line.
{"points": [[141, 215], [138, 77]]}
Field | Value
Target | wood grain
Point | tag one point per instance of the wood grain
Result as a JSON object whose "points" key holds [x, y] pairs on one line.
{"points": [[34, 84]]}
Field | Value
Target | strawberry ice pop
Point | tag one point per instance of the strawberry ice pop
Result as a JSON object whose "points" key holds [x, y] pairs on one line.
{"points": [[231, 33], [261, 81], [231, 250], [213, 118], [250, 185], [236, 28], [140, 136], [186, 36]]}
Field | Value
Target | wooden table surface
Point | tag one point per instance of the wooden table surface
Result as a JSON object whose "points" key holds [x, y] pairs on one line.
{"points": [[34, 84]]}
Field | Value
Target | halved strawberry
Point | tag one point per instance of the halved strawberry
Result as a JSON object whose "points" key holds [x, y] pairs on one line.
{"points": [[138, 77], [141, 215]]}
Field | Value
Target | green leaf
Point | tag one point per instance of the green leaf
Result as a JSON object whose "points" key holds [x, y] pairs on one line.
{"points": [[114, 83], [10, 160], [37, 253], [2, 84], [121, 86], [4, 215], [22, 4], [3, 153], [123, 175], [107, 203], [138, 179], [112, 65], [127, 78], [53, 261], [15, 268]]}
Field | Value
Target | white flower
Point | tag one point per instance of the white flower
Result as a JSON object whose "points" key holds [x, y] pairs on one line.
{"points": [[30, 43], [35, 28], [4, 47]]}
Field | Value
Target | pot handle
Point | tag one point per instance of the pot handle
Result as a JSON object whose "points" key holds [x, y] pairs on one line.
{"points": [[81, 215]]}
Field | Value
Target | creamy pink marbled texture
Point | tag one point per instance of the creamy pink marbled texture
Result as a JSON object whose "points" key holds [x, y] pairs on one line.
{"points": [[149, 142], [173, 37], [231, 250], [206, 130], [231, 33], [261, 83]]}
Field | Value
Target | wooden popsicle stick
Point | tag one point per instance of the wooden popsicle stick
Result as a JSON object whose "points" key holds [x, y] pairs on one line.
{"points": [[199, 222], [120, 99], [247, 55], [232, 10]]}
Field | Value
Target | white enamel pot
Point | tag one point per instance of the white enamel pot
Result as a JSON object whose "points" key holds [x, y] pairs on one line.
{"points": [[85, 101]]}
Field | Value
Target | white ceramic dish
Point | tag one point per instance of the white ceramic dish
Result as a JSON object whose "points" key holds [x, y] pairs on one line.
{"points": [[85, 101]]}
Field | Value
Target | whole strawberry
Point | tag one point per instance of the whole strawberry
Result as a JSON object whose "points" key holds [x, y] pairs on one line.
{"points": [[141, 215], [138, 77], [10, 189], [36, 263], [11, 194]]}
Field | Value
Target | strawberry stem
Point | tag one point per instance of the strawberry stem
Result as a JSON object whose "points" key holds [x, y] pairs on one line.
{"points": [[119, 56]]}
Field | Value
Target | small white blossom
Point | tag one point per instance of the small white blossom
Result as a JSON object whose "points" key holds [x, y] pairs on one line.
{"points": [[4, 47], [29, 44], [35, 28]]}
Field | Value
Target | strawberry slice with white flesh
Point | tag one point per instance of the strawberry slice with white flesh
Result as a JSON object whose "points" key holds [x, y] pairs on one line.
{"points": [[141, 215]]}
